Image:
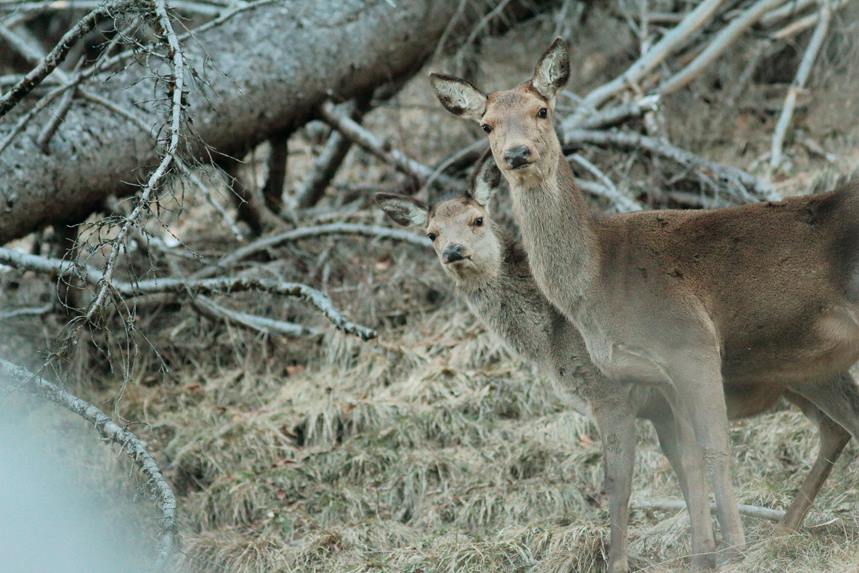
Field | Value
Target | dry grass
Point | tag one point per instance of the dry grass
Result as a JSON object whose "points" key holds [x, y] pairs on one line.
{"points": [[431, 449]]}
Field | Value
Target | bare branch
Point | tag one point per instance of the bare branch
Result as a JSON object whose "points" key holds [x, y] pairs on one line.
{"points": [[206, 286], [798, 84], [621, 202], [54, 58], [28, 311], [253, 322], [370, 142], [717, 46], [16, 377], [326, 165], [739, 182], [177, 85], [272, 191], [679, 504], [648, 61], [265, 243], [613, 116]]}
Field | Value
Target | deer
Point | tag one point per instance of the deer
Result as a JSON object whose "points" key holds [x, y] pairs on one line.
{"points": [[491, 272], [705, 306]]}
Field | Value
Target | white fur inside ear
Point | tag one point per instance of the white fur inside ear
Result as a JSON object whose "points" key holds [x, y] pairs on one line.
{"points": [[486, 182], [553, 71], [459, 97], [404, 211]]}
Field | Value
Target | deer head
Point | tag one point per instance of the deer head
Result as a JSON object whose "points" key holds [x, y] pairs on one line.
{"points": [[518, 121], [468, 243]]}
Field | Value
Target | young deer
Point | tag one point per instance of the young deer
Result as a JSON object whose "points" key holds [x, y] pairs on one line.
{"points": [[762, 297], [491, 271]]}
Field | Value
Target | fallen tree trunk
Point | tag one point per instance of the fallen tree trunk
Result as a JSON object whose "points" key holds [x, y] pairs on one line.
{"points": [[263, 71]]}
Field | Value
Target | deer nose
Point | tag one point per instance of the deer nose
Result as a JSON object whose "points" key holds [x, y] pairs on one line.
{"points": [[452, 253], [517, 156]]}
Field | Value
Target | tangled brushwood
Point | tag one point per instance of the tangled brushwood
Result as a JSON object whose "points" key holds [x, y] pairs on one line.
{"points": [[193, 264]]}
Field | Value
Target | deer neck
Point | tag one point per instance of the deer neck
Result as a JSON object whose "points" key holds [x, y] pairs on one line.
{"points": [[559, 235], [512, 307]]}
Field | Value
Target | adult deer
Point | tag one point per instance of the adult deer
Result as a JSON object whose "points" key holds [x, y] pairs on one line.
{"points": [[763, 297], [491, 272]]}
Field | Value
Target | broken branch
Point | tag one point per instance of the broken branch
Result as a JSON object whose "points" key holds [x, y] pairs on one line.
{"points": [[19, 377]]}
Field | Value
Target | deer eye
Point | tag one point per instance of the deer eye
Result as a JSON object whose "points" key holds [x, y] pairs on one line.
{"points": [[478, 222], [432, 236], [542, 113], [486, 128]]}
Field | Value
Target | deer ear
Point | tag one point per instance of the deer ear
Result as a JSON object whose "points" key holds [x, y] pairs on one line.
{"points": [[486, 180], [403, 210], [553, 69], [458, 96]]}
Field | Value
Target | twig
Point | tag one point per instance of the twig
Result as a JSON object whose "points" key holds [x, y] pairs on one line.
{"points": [[791, 8], [738, 180], [798, 84], [805, 22], [217, 285], [370, 142], [621, 202], [55, 6], [18, 377], [717, 46], [615, 115], [679, 504], [177, 84], [261, 324], [648, 61], [265, 243], [329, 160], [54, 58], [204, 189], [28, 311]]}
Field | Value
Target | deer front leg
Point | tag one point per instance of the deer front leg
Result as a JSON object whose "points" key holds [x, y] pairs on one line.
{"points": [[616, 423], [698, 382]]}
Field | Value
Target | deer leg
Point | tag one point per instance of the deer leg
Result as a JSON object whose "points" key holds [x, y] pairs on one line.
{"points": [[698, 382], [837, 397], [690, 461], [833, 438], [663, 423], [616, 422]]}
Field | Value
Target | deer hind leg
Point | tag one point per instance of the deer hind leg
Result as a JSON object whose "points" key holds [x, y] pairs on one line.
{"points": [[833, 438], [616, 422], [837, 397]]}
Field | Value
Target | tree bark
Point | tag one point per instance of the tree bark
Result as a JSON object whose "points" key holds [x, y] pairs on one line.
{"points": [[261, 72]]}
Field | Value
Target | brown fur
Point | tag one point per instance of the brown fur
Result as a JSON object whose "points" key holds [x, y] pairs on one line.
{"points": [[762, 298]]}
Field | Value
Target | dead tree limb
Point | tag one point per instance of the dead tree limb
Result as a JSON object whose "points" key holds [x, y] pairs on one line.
{"points": [[743, 186], [16, 377], [798, 84], [330, 158], [678, 505], [347, 49], [679, 35], [272, 191], [370, 142], [251, 207], [53, 59], [621, 202], [266, 243], [717, 46], [176, 84], [179, 285]]}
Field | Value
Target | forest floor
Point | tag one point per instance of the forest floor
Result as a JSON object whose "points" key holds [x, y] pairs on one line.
{"points": [[431, 449]]}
